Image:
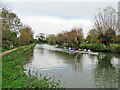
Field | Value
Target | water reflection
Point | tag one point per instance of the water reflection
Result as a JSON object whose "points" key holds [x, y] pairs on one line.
{"points": [[72, 59], [106, 75], [28, 55], [77, 70]]}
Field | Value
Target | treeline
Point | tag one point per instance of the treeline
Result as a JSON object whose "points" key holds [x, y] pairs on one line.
{"points": [[106, 38], [105, 27], [104, 34], [71, 38], [14, 32]]}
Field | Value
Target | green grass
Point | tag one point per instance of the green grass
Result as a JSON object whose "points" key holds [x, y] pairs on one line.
{"points": [[3, 50], [100, 47], [112, 45], [94, 46], [42, 43], [13, 75]]}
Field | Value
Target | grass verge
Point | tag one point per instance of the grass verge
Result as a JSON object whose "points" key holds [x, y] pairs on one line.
{"points": [[13, 75]]}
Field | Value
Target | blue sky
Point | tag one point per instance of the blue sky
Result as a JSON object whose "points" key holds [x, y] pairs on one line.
{"points": [[56, 16]]}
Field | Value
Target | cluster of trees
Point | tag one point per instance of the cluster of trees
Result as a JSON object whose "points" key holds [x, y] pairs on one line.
{"points": [[106, 28], [13, 31], [40, 38], [105, 31], [71, 38], [106, 38]]}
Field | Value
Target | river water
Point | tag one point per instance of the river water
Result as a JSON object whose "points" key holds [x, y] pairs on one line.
{"points": [[72, 69]]}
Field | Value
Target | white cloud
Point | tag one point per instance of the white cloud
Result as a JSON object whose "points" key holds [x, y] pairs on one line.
{"points": [[54, 17], [54, 25]]}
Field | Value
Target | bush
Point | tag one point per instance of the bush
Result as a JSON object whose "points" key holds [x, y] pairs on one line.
{"points": [[92, 46], [115, 49], [5, 46]]}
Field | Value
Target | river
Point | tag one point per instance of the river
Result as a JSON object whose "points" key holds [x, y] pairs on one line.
{"points": [[72, 69]]}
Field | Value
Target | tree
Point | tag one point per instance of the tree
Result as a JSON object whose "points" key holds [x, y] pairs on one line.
{"points": [[107, 38], [10, 21], [80, 37], [10, 26], [109, 34], [26, 35], [106, 24], [101, 37], [51, 39], [72, 38], [41, 38], [106, 19], [118, 38], [89, 38], [92, 36]]}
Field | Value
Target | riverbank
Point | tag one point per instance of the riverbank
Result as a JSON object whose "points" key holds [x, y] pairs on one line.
{"points": [[74, 70], [115, 48], [5, 52], [13, 75]]}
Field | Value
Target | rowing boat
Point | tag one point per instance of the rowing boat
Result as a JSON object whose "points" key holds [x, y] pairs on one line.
{"points": [[80, 52]]}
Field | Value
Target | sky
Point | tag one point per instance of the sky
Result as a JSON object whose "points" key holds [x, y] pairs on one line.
{"points": [[55, 16]]}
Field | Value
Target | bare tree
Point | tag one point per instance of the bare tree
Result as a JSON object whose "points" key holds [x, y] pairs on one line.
{"points": [[106, 19]]}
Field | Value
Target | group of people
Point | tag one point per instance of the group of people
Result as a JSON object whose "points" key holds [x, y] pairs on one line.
{"points": [[71, 48], [79, 49]]}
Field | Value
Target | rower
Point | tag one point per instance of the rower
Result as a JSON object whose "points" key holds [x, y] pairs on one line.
{"points": [[73, 48], [84, 50], [69, 48], [88, 50]]}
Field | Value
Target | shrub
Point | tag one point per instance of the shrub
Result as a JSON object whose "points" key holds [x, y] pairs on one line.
{"points": [[115, 49], [5, 46], [92, 46]]}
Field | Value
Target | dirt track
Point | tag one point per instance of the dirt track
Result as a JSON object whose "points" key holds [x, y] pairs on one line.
{"points": [[3, 53]]}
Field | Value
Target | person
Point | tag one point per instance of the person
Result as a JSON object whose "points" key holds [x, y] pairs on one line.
{"points": [[84, 50], [69, 48], [88, 50], [73, 48]]}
